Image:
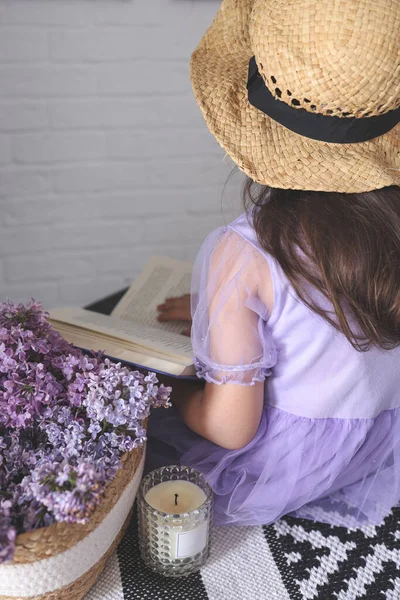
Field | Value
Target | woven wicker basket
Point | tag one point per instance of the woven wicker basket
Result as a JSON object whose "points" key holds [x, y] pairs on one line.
{"points": [[63, 561]]}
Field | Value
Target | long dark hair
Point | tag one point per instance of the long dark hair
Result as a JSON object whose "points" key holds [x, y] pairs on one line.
{"points": [[346, 246]]}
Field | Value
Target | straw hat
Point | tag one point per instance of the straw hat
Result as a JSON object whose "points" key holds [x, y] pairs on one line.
{"points": [[321, 111]]}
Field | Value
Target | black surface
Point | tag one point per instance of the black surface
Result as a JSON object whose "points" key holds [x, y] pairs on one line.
{"points": [[105, 305]]}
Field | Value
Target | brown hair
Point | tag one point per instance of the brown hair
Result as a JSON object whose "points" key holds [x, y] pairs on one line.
{"points": [[347, 246]]}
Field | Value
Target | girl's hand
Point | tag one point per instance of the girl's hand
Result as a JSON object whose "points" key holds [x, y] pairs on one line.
{"points": [[176, 309]]}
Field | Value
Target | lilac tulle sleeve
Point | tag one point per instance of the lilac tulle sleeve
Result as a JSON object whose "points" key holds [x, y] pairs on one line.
{"points": [[230, 336]]}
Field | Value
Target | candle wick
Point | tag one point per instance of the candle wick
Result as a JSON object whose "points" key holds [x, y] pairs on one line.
{"points": [[176, 499]]}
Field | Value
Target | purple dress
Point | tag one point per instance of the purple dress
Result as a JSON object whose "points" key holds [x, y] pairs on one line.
{"points": [[328, 445]]}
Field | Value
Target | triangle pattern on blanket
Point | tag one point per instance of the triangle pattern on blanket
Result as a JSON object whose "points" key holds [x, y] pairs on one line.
{"points": [[323, 562]]}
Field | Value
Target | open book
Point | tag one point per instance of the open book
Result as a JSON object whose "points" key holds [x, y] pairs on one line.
{"points": [[132, 332]]}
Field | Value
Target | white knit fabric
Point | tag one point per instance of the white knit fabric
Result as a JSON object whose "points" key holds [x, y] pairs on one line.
{"points": [[242, 566], [109, 586]]}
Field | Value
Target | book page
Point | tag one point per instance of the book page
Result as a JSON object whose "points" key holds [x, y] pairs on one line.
{"points": [[118, 350], [161, 278], [164, 342]]}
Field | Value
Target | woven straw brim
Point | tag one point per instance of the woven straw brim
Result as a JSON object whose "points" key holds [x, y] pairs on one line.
{"points": [[268, 152]]}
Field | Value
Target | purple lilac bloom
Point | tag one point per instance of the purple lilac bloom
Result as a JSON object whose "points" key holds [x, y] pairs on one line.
{"points": [[7, 533], [66, 418]]}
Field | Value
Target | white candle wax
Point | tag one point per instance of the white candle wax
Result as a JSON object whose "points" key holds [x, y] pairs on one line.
{"points": [[186, 536], [175, 497]]}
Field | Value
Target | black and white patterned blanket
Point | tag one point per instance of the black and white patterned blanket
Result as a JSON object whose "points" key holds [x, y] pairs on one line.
{"points": [[293, 559]]}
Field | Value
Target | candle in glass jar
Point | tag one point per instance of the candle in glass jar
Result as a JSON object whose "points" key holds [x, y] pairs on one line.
{"points": [[175, 515], [177, 497]]}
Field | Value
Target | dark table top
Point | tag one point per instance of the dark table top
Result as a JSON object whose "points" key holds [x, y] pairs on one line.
{"points": [[106, 305]]}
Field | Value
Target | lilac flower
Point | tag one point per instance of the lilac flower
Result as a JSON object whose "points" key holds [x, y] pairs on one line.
{"points": [[66, 418], [7, 533], [71, 495]]}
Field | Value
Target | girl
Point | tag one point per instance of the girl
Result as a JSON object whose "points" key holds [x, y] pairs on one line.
{"points": [[296, 304]]}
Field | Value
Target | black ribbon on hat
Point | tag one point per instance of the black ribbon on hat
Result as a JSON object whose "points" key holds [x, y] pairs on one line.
{"points": [[324, 128]]}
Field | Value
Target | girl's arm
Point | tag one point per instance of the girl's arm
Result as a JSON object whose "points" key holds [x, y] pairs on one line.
{"points": [[235, 295], [226, 414]]}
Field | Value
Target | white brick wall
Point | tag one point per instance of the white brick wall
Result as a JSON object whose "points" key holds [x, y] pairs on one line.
{"points": [[104, 156]]}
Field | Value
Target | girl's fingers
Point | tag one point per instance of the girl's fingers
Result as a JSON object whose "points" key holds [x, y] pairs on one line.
{"points": [[187, 331], [175, 309], [182, 301], [184, 297], [174, 314]]}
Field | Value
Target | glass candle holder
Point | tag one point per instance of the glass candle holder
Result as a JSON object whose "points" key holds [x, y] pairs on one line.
{"points": [[175, 505]]}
